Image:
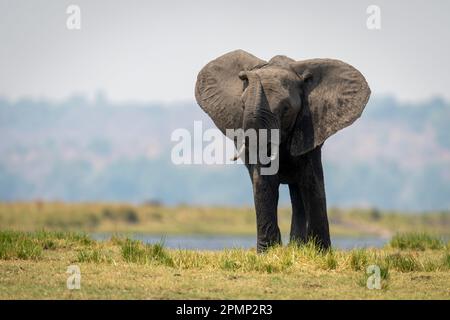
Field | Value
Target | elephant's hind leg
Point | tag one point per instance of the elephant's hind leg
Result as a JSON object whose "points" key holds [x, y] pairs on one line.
{"points": [[312, 190], [299, 218], [265, 191]]}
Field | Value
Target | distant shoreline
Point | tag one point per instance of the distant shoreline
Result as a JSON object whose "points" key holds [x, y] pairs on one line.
{"points": [[155, 219]]}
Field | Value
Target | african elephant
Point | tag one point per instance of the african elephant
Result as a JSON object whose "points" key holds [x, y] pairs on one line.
{"points": [[307, 101]]}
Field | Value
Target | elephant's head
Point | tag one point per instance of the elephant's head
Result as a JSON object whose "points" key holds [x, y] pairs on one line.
{"points": [[307, 100]]}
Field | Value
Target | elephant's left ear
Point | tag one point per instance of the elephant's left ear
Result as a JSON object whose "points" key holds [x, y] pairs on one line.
{"points": [[334, 94]]}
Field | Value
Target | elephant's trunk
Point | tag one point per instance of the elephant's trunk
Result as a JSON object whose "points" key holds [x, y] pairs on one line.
{"points": [[257, 116]]}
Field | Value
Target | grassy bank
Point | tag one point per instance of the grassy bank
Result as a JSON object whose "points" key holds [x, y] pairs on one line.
{"points": [[34, 265], [156, 219]]}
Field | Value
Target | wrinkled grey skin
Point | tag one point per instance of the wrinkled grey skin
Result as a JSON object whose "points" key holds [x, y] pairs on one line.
{"points": [[307, 101]]}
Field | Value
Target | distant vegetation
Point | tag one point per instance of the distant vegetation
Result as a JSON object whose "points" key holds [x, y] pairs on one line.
{"points": [[157, 219], [125, 268]]}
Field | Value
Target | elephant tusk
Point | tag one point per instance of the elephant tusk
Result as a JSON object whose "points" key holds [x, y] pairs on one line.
{"points": [[274, 154], [239, 153]]}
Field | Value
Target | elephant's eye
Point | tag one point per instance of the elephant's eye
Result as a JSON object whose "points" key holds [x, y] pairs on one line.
{"points": [[244, 84], [284, 106]]}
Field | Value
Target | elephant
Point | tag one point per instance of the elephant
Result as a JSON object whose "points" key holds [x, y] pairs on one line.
{"points": [[307, 101]]}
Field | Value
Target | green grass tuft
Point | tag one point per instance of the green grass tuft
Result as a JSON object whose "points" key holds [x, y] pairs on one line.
{"points": [[133, 251], [17, 245], [93, 255], [358, 259], [446, 261], [137, 252], [30, 245], [330, 261], [157, 252], [416, 241], [403, 262]]}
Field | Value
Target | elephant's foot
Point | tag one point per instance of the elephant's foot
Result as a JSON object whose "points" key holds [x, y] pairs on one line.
{"points": [[269, 239], [320, 239]]}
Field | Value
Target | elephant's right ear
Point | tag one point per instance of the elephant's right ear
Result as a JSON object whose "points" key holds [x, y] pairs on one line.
{"points": [[218, 89], [334, 96]]}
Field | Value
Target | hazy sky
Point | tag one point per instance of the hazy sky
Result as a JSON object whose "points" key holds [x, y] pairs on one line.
{"points": [[153, 50]]}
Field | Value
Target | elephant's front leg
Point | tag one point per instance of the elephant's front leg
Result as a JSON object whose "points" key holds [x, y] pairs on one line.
{"points": [[312, 189], [265, 192]]}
